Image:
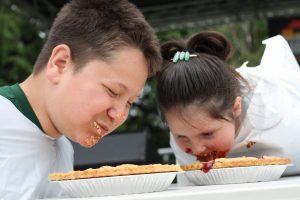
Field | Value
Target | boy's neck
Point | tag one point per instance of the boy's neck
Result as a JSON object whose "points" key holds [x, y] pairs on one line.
{"points": [[35, 90]]}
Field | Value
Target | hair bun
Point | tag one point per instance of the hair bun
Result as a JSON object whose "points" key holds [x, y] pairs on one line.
{"points": [[169, 49], [210, 42]]}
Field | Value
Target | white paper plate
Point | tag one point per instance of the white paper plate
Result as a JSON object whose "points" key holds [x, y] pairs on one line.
{"points": [[236, 175], [118, 185]]}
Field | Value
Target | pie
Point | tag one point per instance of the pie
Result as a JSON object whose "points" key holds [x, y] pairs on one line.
{"points": [[236, 162], [120, 170]]}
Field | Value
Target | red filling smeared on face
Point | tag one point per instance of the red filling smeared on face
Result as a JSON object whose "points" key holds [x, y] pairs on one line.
{"points": [[209, 161], [221, 154], [188, 150], [211, 156]]}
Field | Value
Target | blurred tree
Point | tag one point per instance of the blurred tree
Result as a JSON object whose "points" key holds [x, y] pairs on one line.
{"points": [[19, 46]]}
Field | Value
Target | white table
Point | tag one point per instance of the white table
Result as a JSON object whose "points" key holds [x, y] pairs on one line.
{"points": [[286, 188]]}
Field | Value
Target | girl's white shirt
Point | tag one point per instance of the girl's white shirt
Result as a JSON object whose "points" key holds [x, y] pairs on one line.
{"points": [[271, 109], [27, 156]]}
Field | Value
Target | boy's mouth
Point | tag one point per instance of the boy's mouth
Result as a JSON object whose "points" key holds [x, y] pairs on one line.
{"points": [[94, 139], [101, 129]]}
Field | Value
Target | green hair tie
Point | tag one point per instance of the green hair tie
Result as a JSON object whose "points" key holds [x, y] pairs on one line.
{"points": [[176, 57], [183, 56]]}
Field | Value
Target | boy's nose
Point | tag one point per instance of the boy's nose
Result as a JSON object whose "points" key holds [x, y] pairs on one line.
{"points": [[118, 115]]}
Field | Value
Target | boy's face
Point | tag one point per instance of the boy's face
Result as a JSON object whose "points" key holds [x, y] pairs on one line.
{"points": [[200, 135], [89, 104]]}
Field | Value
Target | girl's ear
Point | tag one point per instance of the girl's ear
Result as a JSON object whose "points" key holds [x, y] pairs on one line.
{"points": [[58, 62], [237, 107]]}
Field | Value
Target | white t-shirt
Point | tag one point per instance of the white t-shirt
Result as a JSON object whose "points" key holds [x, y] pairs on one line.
{"points": [[271, 110], [27, 156]]}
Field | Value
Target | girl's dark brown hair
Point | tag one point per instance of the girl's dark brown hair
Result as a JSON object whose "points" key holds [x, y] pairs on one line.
{"points": [[205, 80], [96, 29]]}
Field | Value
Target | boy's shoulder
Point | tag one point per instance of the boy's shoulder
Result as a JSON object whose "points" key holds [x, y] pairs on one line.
{"points": [[5, 104], [7, 91]]}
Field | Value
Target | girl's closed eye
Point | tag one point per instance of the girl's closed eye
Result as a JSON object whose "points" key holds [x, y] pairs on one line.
{"points": [[207, 134], [182, 138]]}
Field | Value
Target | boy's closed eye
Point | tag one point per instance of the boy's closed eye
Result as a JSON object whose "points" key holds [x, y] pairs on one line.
{"points": [[112, 92], [130, 103]]}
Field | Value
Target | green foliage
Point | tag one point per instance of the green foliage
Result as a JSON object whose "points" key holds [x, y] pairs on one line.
{"points": [[246, 38], [20, 45]]}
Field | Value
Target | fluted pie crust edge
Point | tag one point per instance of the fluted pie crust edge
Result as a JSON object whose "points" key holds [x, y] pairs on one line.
{"points": [[238, 162], [109, 171]]}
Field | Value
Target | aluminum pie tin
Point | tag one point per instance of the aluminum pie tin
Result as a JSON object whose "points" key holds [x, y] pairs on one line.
{"points": [[236, 175], [118, 185]]}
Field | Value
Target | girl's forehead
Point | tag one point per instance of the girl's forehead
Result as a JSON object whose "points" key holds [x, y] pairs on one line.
{"points": [[191, 112], [189, 118]]}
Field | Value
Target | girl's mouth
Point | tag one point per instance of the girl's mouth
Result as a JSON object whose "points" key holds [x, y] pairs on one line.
{"points": [[206, 157], [211, 156]]}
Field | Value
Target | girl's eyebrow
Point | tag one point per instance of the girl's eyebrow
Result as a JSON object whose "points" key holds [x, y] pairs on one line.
{"points": [[211, 129]]}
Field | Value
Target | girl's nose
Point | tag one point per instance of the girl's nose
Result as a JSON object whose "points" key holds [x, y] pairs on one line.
{"points": [[198, 149]]}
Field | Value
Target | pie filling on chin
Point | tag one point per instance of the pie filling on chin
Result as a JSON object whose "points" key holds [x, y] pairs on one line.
{"points": [[120, 170]]}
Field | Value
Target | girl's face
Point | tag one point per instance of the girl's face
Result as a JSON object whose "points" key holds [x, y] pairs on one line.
{"points": [[91, 103], [200, 135]]}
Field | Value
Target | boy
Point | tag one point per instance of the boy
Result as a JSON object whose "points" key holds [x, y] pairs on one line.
{"points": [[92, 67]]}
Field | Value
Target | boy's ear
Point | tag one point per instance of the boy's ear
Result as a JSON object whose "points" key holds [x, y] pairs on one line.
{"points": [[58, 62], [237, 107]]}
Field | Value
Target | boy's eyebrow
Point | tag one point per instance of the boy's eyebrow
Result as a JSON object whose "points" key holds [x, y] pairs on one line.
{"points": [[126, 88]]}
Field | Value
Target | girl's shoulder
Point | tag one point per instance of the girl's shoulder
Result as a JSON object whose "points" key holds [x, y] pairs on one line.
{"points": [[274, 84]]}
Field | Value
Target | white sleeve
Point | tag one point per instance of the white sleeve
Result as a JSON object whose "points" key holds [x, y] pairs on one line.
{"points": [[27, 156], [273, 112], [278, 55], [274, 84]]}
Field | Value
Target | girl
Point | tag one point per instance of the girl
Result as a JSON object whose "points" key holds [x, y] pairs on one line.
{"points": [[92, 67], [215, 111]]}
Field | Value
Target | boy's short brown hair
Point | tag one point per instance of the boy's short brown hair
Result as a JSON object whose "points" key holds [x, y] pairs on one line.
{"points": [[96, 28]]}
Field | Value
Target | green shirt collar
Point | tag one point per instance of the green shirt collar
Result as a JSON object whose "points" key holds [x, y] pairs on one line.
{"points": [[16, 95]]}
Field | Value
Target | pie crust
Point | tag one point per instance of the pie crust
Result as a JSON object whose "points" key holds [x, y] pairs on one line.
{"points": [[237, 162], [120, 170]]}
